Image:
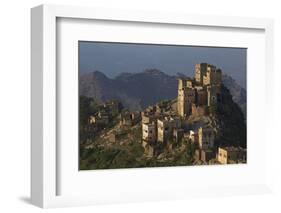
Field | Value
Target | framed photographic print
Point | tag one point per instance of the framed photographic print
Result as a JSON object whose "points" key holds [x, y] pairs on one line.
{"points": [[168, 111], [149, 106]]}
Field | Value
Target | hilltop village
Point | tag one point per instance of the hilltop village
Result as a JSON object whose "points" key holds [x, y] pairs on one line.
{"points": [[171, 127]]}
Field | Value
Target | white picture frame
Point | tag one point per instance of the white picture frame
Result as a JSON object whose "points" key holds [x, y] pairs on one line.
{"points": [[44, 155]]}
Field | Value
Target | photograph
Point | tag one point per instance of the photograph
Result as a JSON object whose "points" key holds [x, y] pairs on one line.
{"points": [[161, 105]]}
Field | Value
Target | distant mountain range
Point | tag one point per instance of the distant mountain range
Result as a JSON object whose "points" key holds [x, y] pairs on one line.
{"points": [[139, 90]]}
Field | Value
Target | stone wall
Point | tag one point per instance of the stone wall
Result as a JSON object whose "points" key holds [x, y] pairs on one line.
{"points": [[199, 110]]}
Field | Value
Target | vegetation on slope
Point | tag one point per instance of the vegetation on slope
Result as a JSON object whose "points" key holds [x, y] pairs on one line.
{"points": [[232, 126]]}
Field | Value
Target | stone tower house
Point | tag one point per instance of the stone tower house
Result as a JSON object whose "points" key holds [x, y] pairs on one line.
{"points": [[186, 96], [207, 74], [203, 90], [210, 78]]}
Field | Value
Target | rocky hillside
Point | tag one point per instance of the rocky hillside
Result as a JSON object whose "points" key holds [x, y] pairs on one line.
{"points": [[239, 94], [230, 121], [138, 90]]}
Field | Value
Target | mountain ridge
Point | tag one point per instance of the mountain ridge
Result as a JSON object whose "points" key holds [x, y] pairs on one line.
{"points": [[139, 90]]}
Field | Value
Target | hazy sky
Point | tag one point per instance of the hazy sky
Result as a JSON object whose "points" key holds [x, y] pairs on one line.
{"points": [[115, 58]]}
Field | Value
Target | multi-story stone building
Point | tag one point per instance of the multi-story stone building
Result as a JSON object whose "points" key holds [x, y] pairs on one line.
{"points": [[207, 74], [200, 96], [200, 71], [165, 128], [199, 110], [204, 90], [204, 155], [212, 76], [227, 155], [149, 132], [205, 141], [206, 138], [160, 125], [128, 119], [186, 96]]}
